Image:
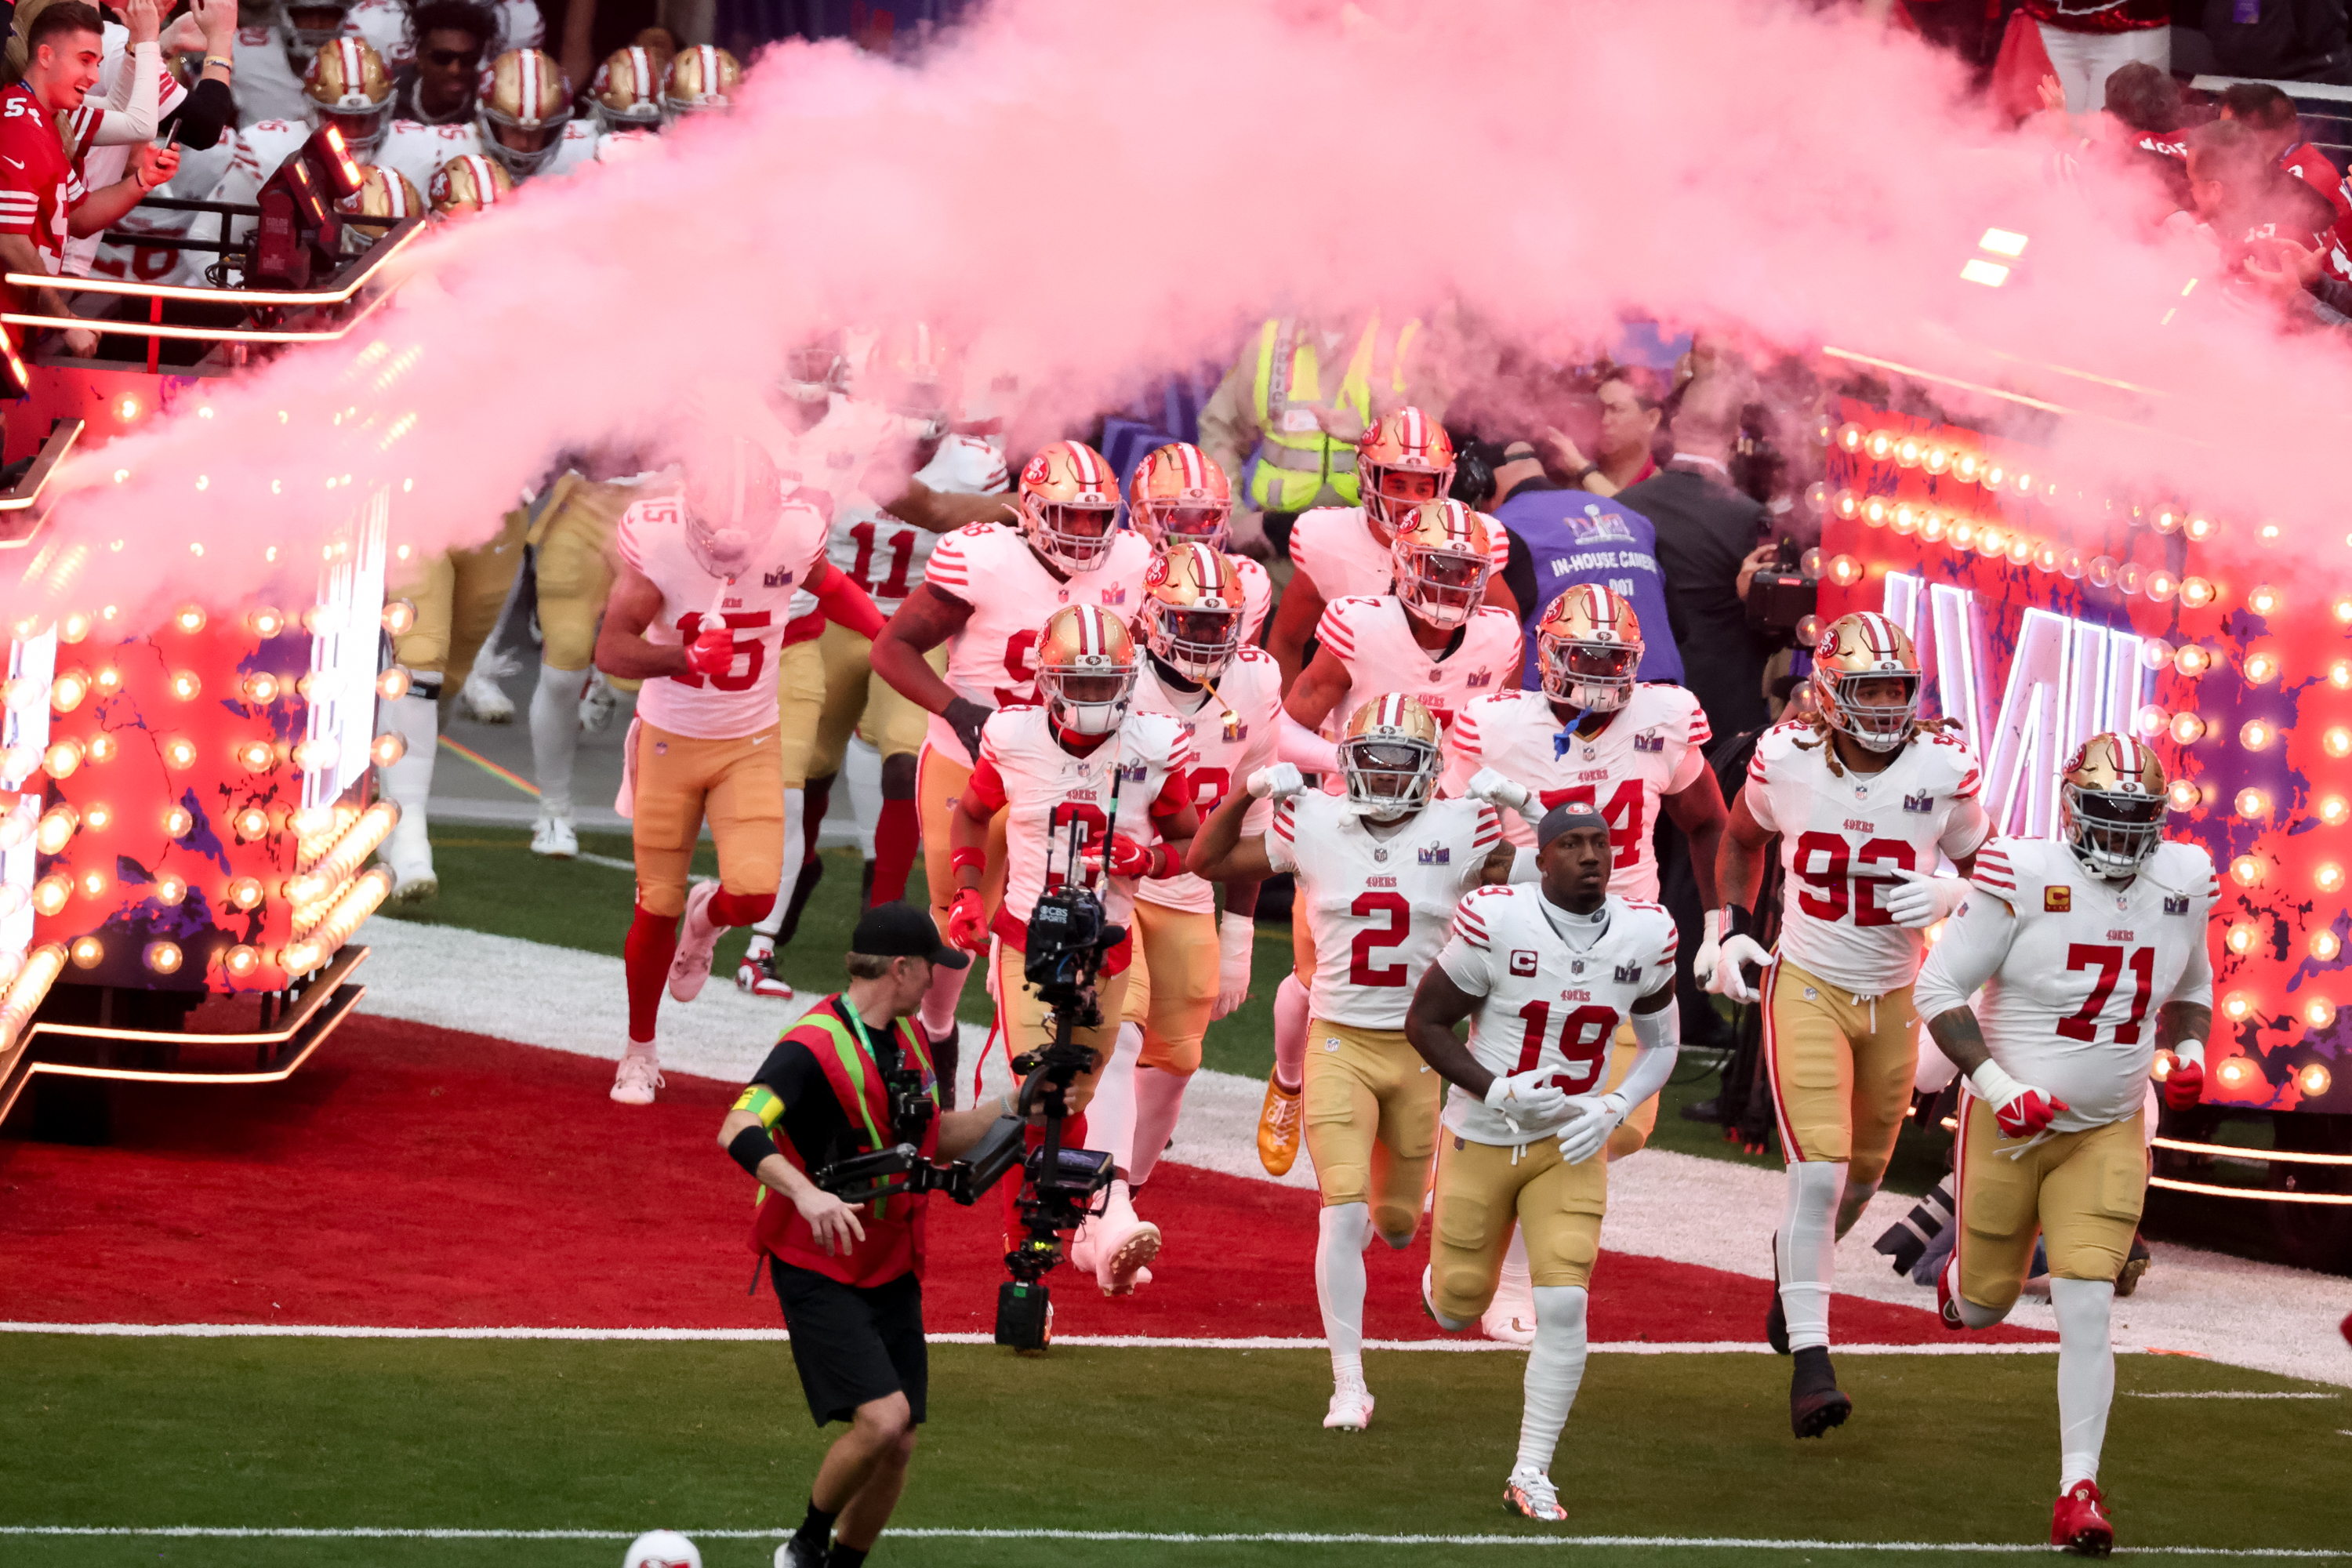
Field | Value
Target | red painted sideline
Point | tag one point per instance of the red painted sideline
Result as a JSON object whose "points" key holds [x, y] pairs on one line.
{"points": [[417, 1177]]}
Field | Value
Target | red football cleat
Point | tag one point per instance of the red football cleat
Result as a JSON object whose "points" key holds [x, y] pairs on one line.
{"points": [[1947, 1304], [2080, 1523]]}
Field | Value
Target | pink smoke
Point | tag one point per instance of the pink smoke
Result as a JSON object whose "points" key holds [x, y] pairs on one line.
{"points": [[1106, 192]]}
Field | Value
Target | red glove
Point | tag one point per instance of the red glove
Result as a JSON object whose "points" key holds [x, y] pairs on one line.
{"points": [[2184, 1086], [2030, 1111], [967, 920], [712, 652], [1123, 857]]}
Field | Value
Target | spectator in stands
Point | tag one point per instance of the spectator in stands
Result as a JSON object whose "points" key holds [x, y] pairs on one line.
{"points": [[2087, 40], [1560, 537], [193, 117], [451, 39], [2237, 194], [2279, 40], [2270, 116], [1630, 418]]}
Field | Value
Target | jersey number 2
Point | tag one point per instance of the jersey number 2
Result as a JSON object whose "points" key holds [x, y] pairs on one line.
{"points": [[2111, 963], [1399, 925]]}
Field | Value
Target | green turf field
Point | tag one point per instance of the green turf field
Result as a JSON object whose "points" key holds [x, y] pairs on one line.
{"points": [[539, 1435]]}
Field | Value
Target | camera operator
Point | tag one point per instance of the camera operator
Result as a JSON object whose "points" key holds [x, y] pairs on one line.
{"points": [[851, 1077]]}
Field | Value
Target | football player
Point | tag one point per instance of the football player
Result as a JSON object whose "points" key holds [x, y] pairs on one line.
{"points": [[573, 525], [467, 183], [698, 614], [394, 27], [2091, 954], [274, 51], [1432, 633], [1402, 459], [1179, 492], [978, 597], [1084, 756], [702, 79], [1867, 798], [1379, 871], [1592, 736], [1544, 973], [345, 85], [522, 122], [1189, 969], [626, 94]]}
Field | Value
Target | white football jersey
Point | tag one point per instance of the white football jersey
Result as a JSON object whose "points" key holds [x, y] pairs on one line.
{"points": [[887, 557], [1046, 789], [2069, 1005], [1233, 735], [1334, 547], [1257, 597], [1541, 1003], [418, 150], [822, 464], [742, 701], [1843, 837], [385, 24], [990, 566], [1650, 748], [1374, 640], [1377, 900], [263, 77], [103, 166]]}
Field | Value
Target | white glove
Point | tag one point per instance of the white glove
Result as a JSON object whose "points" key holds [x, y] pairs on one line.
{"points": [[1279, 782], [1727, 980], [1529, 1098], [1597, 1116], [1919, 901], [1710, 947], [1493, 785], [1236, 935]]}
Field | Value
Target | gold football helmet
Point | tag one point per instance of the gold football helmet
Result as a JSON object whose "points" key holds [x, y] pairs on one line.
{"points": [[310, 25], [1390, 753], [734, 500], [1180, 492], [1401, 460], [1086, 669], [908, 372], [1069, 505], [1857, 650], [702, 79], [2111, 804], [817, 366], [349, 89], [1443, 560], [1191, 615], [467, 183], [1588, 648], [383, 193], [626, 93], [521, 114]]}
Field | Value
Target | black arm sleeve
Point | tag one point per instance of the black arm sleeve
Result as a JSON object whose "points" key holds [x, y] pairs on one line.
{"points": [[2334, 293], [1520, 577], [203, 114]]}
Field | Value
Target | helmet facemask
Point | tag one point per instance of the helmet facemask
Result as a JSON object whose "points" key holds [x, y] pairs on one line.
{"points": [[1595, 677], [1165, 522], [326, 17], [732, 512], [521, 161], [2112, 832], [1874, 726], [813, 371], [1196, 642], [1388, 778], [1440, 587], [1090, 698], [1071, 536]]}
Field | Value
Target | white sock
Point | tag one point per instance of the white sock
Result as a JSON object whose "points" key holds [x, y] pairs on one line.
{"points": [[1555, 1368], [938, 1012], [1515, 1282], [1290, 999], [555, 735], [774, 920], [2086, 1374], [1807, 1250], [1111, 1114], [1159, 1099], [861, 769], [1339, 1240], [409, 782]]}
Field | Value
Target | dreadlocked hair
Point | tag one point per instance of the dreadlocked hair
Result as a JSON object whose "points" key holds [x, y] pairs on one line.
{"points": [[1818, 721]]}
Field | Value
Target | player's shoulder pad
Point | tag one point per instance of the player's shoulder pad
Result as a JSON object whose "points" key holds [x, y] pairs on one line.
{"points": [[2182, 867], [2015, 871], [1780, 743], [1645, 915], [1492, 613], [1160, 731]]}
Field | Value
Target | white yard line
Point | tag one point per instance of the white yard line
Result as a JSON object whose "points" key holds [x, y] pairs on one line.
{"points": [[1661, 1204]]}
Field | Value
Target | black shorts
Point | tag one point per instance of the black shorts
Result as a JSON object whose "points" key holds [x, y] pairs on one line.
{"points": [[852, 1344]]}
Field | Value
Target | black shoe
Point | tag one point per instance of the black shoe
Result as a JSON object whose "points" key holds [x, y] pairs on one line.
{"points": [[798, 1553], [866, 888], [1708, 1110], [1814, 1403], [1776, 1317]]}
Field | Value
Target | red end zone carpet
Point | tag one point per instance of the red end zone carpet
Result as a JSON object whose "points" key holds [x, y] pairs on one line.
{"points": [[417, 1177]]}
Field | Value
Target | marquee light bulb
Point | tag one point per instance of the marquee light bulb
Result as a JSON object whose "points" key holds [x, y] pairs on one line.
{"points": [[241, 961], [163, 957], [2236, 1070], [2187, 728], [2202, 527], [2261, 667], [2313, 1079], [2334, 810], [93, 883], [2152, 722], [2339, 674], [2128, 576], [315, 755], [172, 892], [2196, 593], [2155, 652], [2236, 1006], [2245, 870], [178, 822], [2070, 565], [2254, 734], [398, 616], [2253, 803], [256, 756], [2160, 587], [1808, 630], [68, 690], [73, 627], [190, 618], [1846, 571], [1932, 527], [2101, 572], [63, 759], [2020, 551], [2264, 600], [109, 680], [50, 893], [1909, 451], [2343, 611], [1875, 512], [389, 748], [2168, 520], [1879, 445], [1992, 541], [2024, 483], [2329, 878], [1808, 565], [185, 686], [261, 687], [2193, 661], [97, 818], [2325, 945], [264, 622], [1935, 458], [1966, 467], [2185, 796], [252, 823], [2242, 939], [392, 684], [298, 957], [1964, 534], [58, 824], [87, 952], [246, 893], [1994, 474], [2338, 742], [180, 752], [2046, 558]]}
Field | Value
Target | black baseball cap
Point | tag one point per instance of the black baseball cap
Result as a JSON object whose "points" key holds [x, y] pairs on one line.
{"points": [[902, 930], [1566, 817]]}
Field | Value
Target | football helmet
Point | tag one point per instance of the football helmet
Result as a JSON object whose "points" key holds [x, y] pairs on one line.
{"points": [[313, 25], [382, 193], [817, 367], [348, 88], [467, 183], [1085, 670], [2111, 805], [626, 93], [907, 373], [1191, 615], [520, 113], [1180, 492], [1588, 647], [734, 498], [1405, 442], [1069, 505], [1390, 754], [1859, 648], [1442, 557], [703, 77]]}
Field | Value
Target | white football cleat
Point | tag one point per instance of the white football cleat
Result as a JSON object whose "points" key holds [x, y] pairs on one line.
{"points": [[598, 704], [637, 1078], [757, 974], [1530, 1494], [409, 853], [554, 836], [1510, 1318], [482, 700], [1351, 1408], [691, 966]]}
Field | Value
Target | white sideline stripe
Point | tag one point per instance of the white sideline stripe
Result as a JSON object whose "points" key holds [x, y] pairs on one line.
{"points": [[1094, 1342], [2232, 1393], [1161, 1538]]}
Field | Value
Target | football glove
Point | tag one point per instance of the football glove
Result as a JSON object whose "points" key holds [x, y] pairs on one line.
{"points": [[1491, 785], [1728, 978], [1710, 946], [967, 920], [2184, 1086], [1279, 782], [1527, 1098], [1236, 940], [1597, 1116], [965, 716], [2022, 1110], [711, 652], [1118, 855], [1919, 901]]}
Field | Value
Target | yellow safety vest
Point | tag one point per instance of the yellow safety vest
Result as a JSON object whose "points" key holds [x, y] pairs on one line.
{"points": [[1295, 461]]}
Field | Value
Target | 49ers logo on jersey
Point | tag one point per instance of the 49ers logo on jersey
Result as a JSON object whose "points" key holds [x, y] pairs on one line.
{"points": [[2057, 900]]}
